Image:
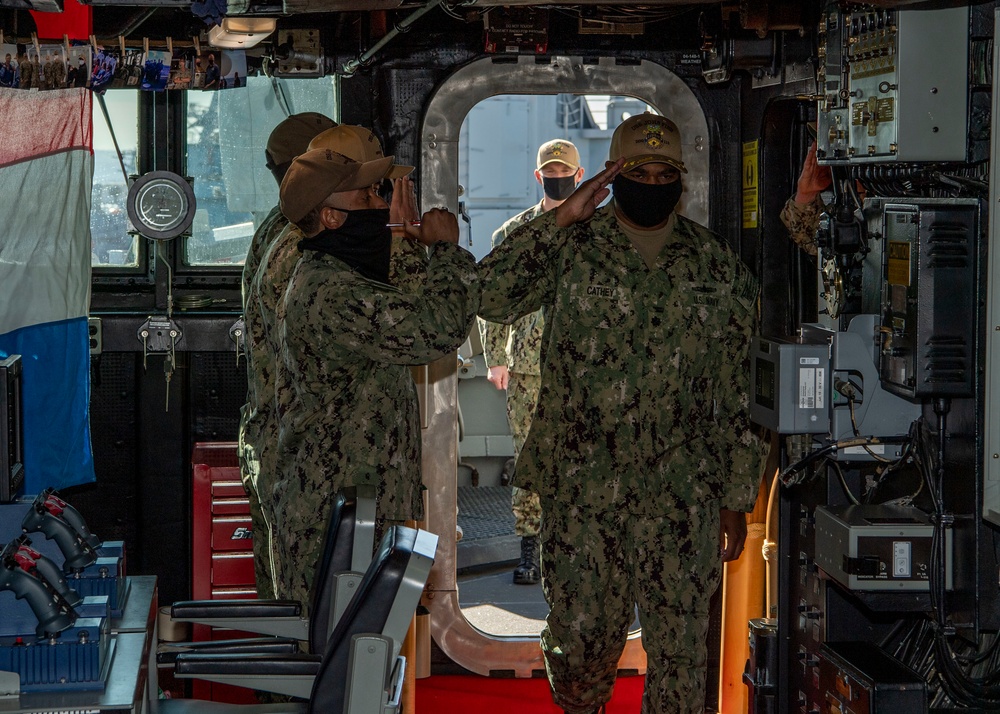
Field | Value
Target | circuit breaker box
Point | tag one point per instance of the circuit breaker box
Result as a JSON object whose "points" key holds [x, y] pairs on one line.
{"points": [[888, 85], [861, 678], [790, 383], [878, 547], [929, 300]]}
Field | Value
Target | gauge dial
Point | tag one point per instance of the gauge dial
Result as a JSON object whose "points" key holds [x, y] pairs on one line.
{"points": [[161, 205]]}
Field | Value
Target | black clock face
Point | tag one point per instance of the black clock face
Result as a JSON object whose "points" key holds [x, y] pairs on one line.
{"points": [[161, 205]]}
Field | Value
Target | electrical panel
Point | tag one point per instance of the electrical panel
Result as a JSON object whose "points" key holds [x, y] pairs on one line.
{"points": [[893, 85], [861, 678], [929, 299], [790, 383], [878, 547], [826, 382]]}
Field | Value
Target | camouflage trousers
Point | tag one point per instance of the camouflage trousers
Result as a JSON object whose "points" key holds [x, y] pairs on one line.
{"points": [[302, 506], [296, 574], [596, 568], [250, 475], [522, 395]]}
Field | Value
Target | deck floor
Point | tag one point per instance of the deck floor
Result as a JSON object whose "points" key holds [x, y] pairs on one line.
{"points": [[487, 555]]}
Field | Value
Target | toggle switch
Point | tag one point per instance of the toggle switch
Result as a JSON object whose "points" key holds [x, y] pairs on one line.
{"points": [[902, 566]]}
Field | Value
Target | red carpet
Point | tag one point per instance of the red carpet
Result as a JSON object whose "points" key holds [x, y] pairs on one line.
{"points": [[485, 695]]}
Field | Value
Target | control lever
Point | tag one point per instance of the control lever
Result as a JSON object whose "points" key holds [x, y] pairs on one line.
{"points": [[237, 333], [77, 552], [161, 333], [58, 507], [54, 614], [29, 558]]}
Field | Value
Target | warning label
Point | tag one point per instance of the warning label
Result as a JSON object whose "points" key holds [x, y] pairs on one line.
{"points": [[812, 383], [750, 193]]}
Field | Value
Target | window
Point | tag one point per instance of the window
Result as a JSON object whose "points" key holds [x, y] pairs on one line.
{"points": [[111, 244], [500, 138], [226, 135]]}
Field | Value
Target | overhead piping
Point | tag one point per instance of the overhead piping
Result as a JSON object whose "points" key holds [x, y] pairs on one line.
{"points": [[399, 28]]}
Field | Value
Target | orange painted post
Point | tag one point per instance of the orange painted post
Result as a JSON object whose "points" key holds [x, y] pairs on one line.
{"points": [[742, 600]]}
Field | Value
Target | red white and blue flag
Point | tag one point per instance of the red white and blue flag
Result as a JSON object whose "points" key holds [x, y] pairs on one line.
{"points": [[46, 170]]}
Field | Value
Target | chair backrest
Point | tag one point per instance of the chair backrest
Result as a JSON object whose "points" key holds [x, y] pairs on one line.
{"points": [[347, 546], [374, 609]]}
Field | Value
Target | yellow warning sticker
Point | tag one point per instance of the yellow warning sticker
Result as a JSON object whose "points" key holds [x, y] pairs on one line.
{"points": [[751, 197]]}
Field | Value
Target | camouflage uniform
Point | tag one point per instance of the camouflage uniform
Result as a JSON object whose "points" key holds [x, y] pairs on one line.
{"points": [[48, 74], [256, 416], [346, 401], [801, 220], [274, 222], [516, 347], [275, 256], [640, 436], [58, 74], [27, 78]]}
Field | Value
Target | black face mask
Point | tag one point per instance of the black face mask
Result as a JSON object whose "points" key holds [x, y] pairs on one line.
{"points": [[364, 242], [646, 204], [559, 188]]}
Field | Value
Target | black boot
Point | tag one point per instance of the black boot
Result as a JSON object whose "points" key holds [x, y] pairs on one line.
{"points": [[528, 571]]}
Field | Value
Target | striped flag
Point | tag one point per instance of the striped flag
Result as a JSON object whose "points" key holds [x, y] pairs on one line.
{"points": [[46, 169]]}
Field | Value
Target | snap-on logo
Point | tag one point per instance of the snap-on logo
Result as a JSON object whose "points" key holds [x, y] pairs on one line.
{"points": [[242, 533]]}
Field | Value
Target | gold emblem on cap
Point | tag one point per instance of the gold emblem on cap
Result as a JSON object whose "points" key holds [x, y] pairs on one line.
{"points": [[654, 135], [556, 150]]}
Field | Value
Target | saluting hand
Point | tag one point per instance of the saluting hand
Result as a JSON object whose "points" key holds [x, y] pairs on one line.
{"points": [[813, 179], [403, 208], [437, 225], [582, 203]]}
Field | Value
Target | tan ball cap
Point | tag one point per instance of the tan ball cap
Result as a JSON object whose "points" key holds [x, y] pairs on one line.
{"points": [[316, 174], [558, 151], [645, 139], [292, 135], [359, 144]]}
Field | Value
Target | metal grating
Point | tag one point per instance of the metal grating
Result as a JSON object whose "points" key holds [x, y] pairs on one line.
{"points": [[484, 512], [109, 506], [218, 390]]}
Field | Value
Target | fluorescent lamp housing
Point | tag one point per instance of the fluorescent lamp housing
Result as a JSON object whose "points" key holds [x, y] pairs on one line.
{"points": [[240, 33]]}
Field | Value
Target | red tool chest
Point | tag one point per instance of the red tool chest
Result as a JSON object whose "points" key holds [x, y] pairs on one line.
{"points": [[221, 548]]}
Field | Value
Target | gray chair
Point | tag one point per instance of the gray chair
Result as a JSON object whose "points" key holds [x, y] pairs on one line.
{"points": [[361, 670], [347, 553]]}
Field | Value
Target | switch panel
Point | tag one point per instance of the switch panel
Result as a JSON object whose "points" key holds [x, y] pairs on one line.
{"points": [[878, 547]]}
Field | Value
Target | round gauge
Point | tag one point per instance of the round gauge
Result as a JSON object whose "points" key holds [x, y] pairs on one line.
{"points": [[161, 205]]}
